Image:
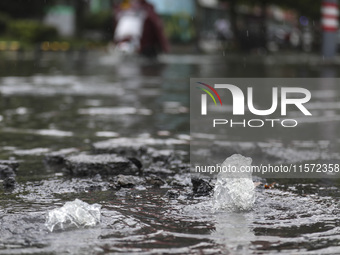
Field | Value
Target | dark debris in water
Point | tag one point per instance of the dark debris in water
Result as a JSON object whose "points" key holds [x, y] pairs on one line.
{"points": [[11, 163], [130, 181], [172, 194], [201, 187], [8, 170], [103, 164], [117, 156], [154, 181], [125, 163], [58, 157], [126, 181]]}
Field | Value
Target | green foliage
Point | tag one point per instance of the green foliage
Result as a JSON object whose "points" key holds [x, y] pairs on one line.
{"points": [[98, 21], [179, 27], [25, 8], [101, 22], [31, 31], [4, 20]]}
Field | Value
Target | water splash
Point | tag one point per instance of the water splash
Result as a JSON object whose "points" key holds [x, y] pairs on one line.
{"points": [[234, 191], [76, 213]]}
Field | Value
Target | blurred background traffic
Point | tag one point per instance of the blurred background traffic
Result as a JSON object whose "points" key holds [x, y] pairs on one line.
{"points": [[259, 27]]}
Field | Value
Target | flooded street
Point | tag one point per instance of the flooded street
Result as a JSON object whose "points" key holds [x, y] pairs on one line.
{"points": [[63, 104]]}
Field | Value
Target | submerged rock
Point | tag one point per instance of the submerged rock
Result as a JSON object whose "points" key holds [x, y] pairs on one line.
{"points": [[7, 174], [105, 164], [6, 171], [234, 191], [136, 162], [181, 180], [9, 182], [58, 157], [147, 154], [201, 187], [172, 194], [132, 147], [11, 163], [73, 214], [127, 181], [154, 181], [162, 155], [158, 170]]}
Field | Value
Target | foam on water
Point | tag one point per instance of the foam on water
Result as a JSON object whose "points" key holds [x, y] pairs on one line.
{"points": [[234, 191]]}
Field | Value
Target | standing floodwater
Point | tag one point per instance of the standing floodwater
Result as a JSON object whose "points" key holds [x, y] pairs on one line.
{"points": [[65, 112]]}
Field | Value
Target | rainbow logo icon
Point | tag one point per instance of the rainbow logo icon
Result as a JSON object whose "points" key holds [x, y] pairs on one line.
{"points": [[209, 93]]}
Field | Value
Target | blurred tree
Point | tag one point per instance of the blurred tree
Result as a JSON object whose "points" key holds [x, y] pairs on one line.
{"points": [[4, 21], [25, 8], [99, 21], [31, 31], [80, 8]]}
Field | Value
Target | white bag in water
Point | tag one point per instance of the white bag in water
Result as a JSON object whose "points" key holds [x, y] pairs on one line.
{"points": [[234, 191], [73, 214]]}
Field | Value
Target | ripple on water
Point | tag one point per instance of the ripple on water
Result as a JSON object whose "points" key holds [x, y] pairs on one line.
{"points": [[281, 219]]}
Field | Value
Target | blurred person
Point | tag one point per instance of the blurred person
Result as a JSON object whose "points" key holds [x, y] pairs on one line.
{"points": [[137, 28], [295, 37], [223, 29], [128, 25], [307, 39]]}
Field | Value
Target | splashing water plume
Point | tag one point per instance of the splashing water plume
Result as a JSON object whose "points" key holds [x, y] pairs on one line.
{"points": [[73, 214], [234, 191]]}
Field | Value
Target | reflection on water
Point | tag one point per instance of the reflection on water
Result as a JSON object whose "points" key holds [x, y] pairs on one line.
{"points": [[71, 101], [233, 230]]}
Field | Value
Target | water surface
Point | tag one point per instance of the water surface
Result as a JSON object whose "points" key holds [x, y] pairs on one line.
{"points": [[71, 101]]}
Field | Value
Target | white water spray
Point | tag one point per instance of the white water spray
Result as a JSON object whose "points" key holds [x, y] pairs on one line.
{"points": [[234, 191]]}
